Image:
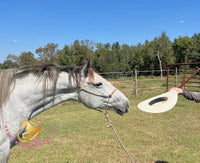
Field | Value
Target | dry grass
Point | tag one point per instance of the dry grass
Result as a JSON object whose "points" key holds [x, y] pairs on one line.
{"points": [[82, 136]]}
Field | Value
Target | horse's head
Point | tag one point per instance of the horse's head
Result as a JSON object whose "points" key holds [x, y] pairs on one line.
{"points": [[96, 92]]}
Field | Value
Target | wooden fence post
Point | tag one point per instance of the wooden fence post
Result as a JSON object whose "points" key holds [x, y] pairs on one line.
{"points": [[136, 83], [167, 84], [176, 77]]}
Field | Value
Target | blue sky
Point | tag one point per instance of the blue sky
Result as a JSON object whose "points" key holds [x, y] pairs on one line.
{"points": [[26, 25]]}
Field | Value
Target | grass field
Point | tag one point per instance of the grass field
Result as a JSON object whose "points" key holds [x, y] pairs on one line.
{"points": [[82, 135]]}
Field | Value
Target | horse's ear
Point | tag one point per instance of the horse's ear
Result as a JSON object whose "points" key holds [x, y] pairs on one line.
{"points": [[86, 68]]}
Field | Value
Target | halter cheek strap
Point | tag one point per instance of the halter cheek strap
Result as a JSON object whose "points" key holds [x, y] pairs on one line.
{"points": [[101, 95]]}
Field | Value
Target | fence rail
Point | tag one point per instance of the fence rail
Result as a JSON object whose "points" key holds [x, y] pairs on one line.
{"points": [[139, 80], [136, 79], [189, 73]]}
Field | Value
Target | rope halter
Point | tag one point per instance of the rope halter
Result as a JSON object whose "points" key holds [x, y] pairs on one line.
{"points": [[100, 95]]}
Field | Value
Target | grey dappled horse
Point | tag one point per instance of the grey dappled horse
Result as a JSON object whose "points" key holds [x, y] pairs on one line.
{"points": [[28, 91]]}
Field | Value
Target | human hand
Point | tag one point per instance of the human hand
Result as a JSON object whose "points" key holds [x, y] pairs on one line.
{"points": [[178, 90]]}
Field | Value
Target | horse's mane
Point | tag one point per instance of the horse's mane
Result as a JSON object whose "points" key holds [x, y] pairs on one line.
{"points": [[6, 80], [43, 72]]}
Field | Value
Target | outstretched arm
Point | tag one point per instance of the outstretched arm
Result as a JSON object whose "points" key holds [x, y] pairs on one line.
{"points": [[195, 96]]}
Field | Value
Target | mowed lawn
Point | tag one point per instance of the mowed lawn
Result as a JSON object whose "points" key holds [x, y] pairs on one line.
{"points": [[82, 136]]}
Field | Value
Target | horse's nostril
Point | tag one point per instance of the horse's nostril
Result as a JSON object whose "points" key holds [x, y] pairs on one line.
{"points": [[126, 106]]}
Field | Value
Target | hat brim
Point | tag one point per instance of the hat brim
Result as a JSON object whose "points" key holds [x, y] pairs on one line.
{"points": [[160, 103]]}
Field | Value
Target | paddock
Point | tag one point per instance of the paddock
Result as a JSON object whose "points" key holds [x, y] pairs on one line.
{"points": [[82, 136]]}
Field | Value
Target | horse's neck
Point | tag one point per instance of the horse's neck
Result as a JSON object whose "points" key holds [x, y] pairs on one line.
{"points": [[27, 99]]}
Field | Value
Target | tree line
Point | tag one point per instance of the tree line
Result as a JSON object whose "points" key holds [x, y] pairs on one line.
{"points": [[108, 57]]}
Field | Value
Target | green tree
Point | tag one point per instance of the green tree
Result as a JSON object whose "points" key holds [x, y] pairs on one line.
{"points": [[148, 58], [11, 61], [48, 53], [116, 57], [196, 38], [126, 54], [27, 58], [116, 46], [185, 49], [162, 49], [83, 51], [137, 56], [76, 54], [103, 60], [66, 56], [108, 46]]}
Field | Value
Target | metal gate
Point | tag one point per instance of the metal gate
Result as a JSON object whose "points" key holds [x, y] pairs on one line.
{"points": [[183, 75]]}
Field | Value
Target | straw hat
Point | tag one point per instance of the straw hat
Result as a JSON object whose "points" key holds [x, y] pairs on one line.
{"points": [[160, 103]]}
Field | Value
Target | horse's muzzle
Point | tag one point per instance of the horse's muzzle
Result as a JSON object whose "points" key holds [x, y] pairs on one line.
{"points": [[125, 109]]}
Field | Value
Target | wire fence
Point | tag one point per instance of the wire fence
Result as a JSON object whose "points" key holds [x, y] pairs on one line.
{"points": [[136, 81]]}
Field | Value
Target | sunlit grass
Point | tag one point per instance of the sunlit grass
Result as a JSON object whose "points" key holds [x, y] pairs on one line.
{"points": [[82, 136]]}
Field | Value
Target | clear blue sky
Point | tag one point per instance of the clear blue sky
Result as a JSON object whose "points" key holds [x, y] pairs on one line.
{"points": [[28, 24]]}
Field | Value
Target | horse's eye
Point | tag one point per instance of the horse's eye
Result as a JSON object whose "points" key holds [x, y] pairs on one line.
{"points": [[98, 84]]}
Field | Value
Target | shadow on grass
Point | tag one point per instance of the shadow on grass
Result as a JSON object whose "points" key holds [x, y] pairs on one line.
{"points": [[161, 162]]}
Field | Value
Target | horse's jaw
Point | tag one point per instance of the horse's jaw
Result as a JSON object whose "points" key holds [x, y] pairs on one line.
{"points": [[71, 94]]}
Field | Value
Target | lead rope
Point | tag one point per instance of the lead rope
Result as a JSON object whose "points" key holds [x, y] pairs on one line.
{"points": [[108, 119], [109, 125]]}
